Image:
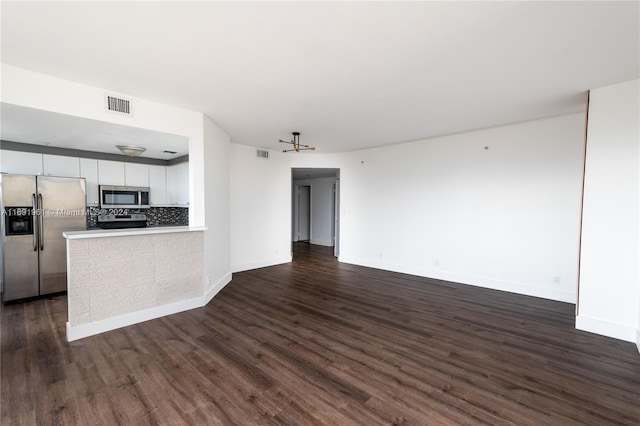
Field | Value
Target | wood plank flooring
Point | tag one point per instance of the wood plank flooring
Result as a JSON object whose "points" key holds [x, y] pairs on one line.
{"points": [[318, 342]]}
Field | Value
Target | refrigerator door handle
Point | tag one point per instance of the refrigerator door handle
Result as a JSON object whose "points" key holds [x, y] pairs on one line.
{"points": [[41, 227], [34, 218]]}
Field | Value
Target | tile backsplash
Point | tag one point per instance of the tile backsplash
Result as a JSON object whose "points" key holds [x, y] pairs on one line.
{"points": [[178, 216], [168, 216]]}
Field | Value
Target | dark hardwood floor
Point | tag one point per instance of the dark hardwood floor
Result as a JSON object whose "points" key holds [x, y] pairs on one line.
{"points": [[318, 342]]}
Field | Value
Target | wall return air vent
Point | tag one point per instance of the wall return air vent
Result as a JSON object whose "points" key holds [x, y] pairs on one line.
{"points": [[262, 154], [120, 105]]}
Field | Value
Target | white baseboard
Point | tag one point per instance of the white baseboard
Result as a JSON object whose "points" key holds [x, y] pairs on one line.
{"points": [[512, 287], [97, 327], [215, 289], [321, 243], [609, 329], [108, 324], [261, 264]]}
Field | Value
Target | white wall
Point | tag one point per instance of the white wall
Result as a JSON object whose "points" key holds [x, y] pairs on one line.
{"points": [[609, 275], [260, 208], [321, 209], [217, 239], [506, 217]]}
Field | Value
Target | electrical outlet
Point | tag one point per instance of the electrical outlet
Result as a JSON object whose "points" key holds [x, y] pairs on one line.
{"points": [[558, 279]]}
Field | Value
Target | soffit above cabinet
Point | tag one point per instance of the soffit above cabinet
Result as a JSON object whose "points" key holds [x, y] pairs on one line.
{"points": [[44, 128]]}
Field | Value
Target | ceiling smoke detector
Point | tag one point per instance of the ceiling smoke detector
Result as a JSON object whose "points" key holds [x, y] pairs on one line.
{"points": [[131, 150]]}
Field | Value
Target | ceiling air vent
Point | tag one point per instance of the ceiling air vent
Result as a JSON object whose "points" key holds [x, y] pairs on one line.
{"points": [[262, 154], [118, 105]]}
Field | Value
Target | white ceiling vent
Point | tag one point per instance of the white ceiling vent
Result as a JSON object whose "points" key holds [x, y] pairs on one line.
{"points": [[262, 154], [120, 105]]}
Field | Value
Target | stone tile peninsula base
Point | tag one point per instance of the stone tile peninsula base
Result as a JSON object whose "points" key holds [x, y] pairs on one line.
{"points": [[121, 277]]}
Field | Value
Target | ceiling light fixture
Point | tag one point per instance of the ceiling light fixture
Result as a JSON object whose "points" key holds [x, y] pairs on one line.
{"points": [[296, 144], [131, 150]]}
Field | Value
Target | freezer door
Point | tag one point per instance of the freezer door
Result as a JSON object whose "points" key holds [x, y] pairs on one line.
{"points": [[17, 190], [20, 268], [62, 206], [20, 256]]}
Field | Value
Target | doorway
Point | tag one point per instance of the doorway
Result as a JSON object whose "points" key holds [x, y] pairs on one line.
{"points": [[315, 212]]}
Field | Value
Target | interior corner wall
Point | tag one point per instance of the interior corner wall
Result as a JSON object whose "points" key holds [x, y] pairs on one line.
{"points": [[217, 238], [498, 208], [260, 208], [609, 273]]}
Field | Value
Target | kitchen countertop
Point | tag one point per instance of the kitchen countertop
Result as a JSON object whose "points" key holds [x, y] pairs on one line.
{"points": [[102, 233]]}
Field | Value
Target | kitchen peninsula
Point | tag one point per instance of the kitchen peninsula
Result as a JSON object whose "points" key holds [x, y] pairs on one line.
{"points": [[121, 277]]}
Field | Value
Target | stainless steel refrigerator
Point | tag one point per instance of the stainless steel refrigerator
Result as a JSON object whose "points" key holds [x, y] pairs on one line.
{"points": [[36, 210]]}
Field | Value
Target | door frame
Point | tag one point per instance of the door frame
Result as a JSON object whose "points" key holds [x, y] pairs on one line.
{"points": [[299, 211], [295, 184]]}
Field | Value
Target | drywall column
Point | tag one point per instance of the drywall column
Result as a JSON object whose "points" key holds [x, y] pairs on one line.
{"points": [[609, 274], [217, 239]]}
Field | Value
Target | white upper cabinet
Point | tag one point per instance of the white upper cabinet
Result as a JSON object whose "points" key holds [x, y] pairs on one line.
{"points": [[26, 163], [183, 184], [136, 174], [158, 185], [168, 185], [178, 185], [59, 165], [89, 171], [110, 172], [172, 185]]}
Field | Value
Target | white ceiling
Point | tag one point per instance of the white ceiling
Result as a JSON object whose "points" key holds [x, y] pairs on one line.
{"points": [[347, 75]]}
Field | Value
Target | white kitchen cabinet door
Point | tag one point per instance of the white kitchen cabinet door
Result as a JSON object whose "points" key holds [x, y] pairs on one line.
{"points": [[172, 185], [136, 174], [178, 185], [26, 163], [59, 165], [110, 172], [89, 171], [158, 185], [183, 184]]}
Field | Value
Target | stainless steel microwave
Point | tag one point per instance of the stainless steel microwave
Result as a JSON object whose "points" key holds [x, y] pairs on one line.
{"points": [[124, 197]]}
